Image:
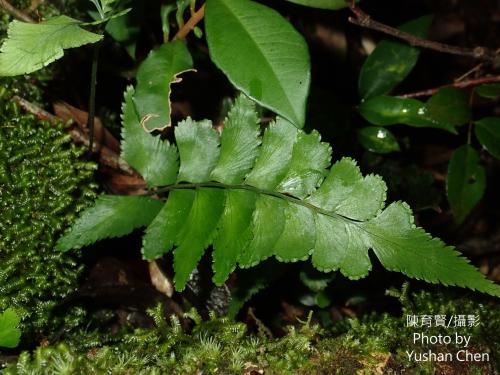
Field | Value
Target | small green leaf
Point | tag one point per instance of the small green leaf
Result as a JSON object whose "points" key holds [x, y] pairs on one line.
{"points": [[125, 30], [262, 55], [391, 110], [378, 139], [199, 149], [10, 335], [160, 234], [391, 61], [156, 160], [490, 91], [155, 77], [466, 181], [110, 216], [197, 233], [241, 136], [488, 133], [31, 46], [321, 4], [449, 106], [315, 280]]}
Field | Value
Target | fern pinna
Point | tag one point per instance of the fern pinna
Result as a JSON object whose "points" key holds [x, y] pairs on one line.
{"points": [[252, 198]]}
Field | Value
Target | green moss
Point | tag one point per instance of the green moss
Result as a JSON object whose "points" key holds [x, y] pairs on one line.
{"points": [[220, 346], [43, 186]]}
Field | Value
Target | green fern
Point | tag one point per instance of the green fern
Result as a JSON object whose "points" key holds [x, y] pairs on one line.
{"points": [[254, 198]]}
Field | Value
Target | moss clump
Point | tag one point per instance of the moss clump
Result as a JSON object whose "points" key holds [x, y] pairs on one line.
{"points": [[43, 184], [372, 345]]}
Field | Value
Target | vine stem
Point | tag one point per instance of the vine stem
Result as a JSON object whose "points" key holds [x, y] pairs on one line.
{"points": [[93, 84], [254, 189], [196, 17]]}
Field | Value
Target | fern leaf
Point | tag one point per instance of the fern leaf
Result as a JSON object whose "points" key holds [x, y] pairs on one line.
{"points": [[232, 237], [274, 157], [241, 136], [278, 199], [111, 216], [198, 148], [161, 233], [156, 160], [196, 233], [31, 46], [401, 246]]}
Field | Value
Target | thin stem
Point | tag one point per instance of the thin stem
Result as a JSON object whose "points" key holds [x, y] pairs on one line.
{"points": [[458, 84], [364, 20], [196, 17], [93, 84], [254, 189]]}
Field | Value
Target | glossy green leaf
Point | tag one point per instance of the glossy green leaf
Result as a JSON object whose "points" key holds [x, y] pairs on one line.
{"points": [[10, 335], [155, 77], [466, 181], [241, 137], [490, 91], [199, 149], [378, 139], [262, 55], [196, 233], [111, 216], [488, 133], [449, 106], [156, 160], [391, 61], [31, 46], [391, 110], [322, 4]]}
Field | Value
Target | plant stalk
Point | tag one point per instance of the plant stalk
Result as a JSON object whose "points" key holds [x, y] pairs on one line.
{"points": [[93, 84]]}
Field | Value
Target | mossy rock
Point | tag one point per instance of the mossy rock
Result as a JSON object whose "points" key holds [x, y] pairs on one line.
{"points": [[43, 185]]}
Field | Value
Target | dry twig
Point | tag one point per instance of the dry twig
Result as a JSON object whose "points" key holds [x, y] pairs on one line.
{"points": [[456, 84], [364, 20], [16, 13]]}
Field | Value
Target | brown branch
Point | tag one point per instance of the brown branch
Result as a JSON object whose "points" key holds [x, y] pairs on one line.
{"points": [[456, 84], [364, 20], [106, 156], [16, 13], [196, 17]]}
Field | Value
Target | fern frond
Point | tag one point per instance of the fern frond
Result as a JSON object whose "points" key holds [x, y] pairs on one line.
{"points": [[252, 199]]}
